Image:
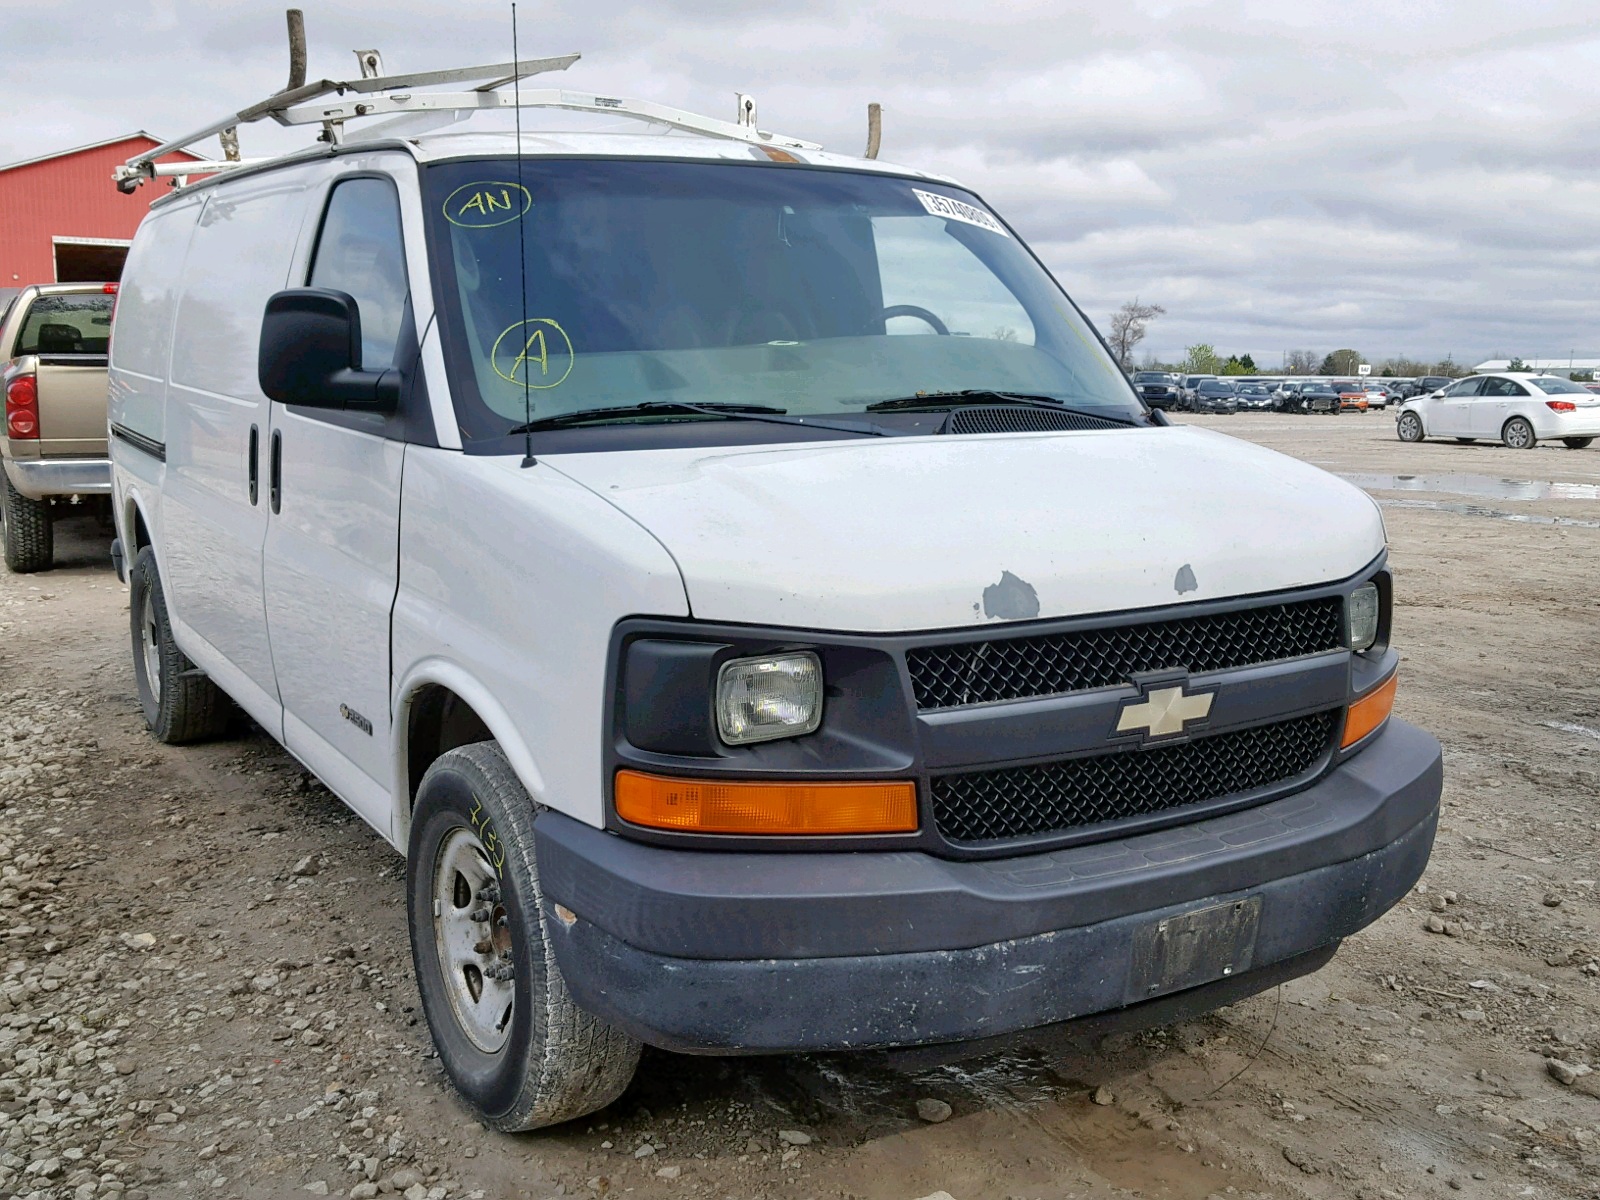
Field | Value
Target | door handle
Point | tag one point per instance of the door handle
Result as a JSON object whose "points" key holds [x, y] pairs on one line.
{"points": [[275, 486], [255, 464]]}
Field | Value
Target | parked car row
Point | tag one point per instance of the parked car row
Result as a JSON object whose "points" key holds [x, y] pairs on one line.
{"points": [[1230, 394]]}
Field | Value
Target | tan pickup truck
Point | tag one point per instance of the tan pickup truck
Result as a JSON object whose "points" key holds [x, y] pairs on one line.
{"points": [[53, 344]]}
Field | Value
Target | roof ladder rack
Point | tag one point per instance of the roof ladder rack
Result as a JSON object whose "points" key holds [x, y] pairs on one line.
{"points": [[375, 95]]}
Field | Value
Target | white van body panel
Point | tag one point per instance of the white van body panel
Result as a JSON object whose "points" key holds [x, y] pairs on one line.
{"points": [[515, 577], [141, 364], [862, 535], [242, 252], [330, 558]]}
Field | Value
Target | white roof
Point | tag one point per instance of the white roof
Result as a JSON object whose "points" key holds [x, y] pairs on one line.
{"points": [[437, 147], [1561, 365], [110, 141]]}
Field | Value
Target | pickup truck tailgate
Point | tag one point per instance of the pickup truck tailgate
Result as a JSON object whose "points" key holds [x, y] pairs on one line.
{"points": [[72, 407]]}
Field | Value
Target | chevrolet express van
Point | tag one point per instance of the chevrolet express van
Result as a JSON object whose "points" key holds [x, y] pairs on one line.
{"points": [[745, 588]]}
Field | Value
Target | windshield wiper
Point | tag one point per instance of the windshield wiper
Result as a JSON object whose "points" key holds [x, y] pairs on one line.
{"points": [[652, 408], [937, 401]]}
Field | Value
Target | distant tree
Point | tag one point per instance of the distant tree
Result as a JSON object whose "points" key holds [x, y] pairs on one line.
{"points": [[1238, 364], [1446, 366], [1301, 362], [1201, 359], [1341, 362], [1402, 367], [1004, 333], [1248, 363], [1516, 364], [1129, 324]]}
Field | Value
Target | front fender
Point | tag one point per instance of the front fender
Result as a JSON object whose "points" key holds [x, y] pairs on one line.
{"points": [[452, 675]]}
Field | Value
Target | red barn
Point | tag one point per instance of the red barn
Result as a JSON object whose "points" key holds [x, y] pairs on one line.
{"points": [[62, 220]]}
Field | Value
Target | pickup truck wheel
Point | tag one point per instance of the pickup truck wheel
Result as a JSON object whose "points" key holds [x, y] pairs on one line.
{"points": [[28, 531], [180, 703], [513, 1042]]}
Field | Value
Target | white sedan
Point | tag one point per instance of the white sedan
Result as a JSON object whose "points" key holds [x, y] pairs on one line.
{"points": [[1518, 410]]}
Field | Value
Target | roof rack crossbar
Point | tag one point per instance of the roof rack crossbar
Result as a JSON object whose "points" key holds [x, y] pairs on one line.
{"points": [[138, 169], [389, 94], [587, 102]]}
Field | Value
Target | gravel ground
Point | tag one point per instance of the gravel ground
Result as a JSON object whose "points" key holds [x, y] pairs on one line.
{"points": [[205, 987]]}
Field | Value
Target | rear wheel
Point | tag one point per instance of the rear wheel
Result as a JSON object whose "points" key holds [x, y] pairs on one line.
{"points": [[28, 530], [1577, 443], [1409, 427], [180, 702], [511, 1038], [1518, 434]]}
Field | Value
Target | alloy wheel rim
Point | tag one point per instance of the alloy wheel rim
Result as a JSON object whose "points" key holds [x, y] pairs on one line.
{"points": [[150, 644], [1410, 425], [1517, 435], [472, 938]]}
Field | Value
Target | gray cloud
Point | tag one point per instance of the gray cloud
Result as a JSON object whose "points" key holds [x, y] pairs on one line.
{"points": [[1402, 177]]}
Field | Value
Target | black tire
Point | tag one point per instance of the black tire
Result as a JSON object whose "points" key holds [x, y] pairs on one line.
{"points": [[1581, 443], [1518, 434], [28, 531], [1409, 427], [555, 1061], [181, 704]]}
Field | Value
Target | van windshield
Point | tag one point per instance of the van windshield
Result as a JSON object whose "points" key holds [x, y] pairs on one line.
{"points": [[808, 290]]}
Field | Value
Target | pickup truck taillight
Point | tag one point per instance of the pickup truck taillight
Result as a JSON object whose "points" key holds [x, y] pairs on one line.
{"points": [[22, 407]]}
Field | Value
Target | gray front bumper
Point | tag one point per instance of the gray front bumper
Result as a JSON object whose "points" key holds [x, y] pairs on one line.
{"points": [[37, 478], [700, 951]]}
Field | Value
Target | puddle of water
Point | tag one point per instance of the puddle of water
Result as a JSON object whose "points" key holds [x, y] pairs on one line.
{"points": [[1580, 730], [1478, 510], [1487, 486]]}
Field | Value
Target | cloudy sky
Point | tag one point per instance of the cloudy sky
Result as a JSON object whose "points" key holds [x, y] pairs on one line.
{"points": [[1400, 177]]}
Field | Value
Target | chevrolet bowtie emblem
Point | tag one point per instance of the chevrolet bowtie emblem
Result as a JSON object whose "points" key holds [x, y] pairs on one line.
{"points": [[1164, 712]]}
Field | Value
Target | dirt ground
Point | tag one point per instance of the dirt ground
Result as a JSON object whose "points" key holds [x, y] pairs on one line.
{"points": [[205, 986]]}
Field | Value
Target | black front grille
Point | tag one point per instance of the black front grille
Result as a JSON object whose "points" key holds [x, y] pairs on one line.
{"points": [[1057, 797], [1050, 664], [1019, 418]]}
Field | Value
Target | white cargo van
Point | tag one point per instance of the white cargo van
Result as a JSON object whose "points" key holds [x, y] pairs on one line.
{"points": [[742, 584]]}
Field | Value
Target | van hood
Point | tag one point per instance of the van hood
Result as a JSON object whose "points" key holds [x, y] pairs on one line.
{"points": [[904, 534]]}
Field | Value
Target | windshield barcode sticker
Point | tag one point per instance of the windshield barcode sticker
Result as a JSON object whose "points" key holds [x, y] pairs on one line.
{"points": [[956, 210]]}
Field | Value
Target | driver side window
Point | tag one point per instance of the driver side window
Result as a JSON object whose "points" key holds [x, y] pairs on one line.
{"points": [[361, 251], [1465, 387], [923, 267]]}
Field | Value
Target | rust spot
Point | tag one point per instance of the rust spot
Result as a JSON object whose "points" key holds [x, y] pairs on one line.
{"points": [[777, 155]]}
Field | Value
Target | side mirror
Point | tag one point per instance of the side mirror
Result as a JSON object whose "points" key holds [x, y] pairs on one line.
{"points": [[311, 354]]}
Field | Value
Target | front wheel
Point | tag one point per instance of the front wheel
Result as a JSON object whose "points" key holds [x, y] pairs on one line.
{"points": [[513, 1041], [1581, 443], [1409, 427], [27, 529], [180, 702], [1518, 434]]}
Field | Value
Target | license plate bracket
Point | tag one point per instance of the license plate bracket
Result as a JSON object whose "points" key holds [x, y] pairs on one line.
{"points": [[1192, 948]]}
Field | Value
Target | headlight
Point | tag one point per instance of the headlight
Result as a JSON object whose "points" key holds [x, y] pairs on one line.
{"points": [[1361, 616], [759, 699]]}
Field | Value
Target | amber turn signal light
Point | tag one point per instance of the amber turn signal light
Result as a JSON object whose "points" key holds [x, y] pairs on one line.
{"points": [[1370, 711], [718, 806]]}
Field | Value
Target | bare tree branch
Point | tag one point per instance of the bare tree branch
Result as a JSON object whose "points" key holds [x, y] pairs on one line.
{"points": [[1128, 327]]}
